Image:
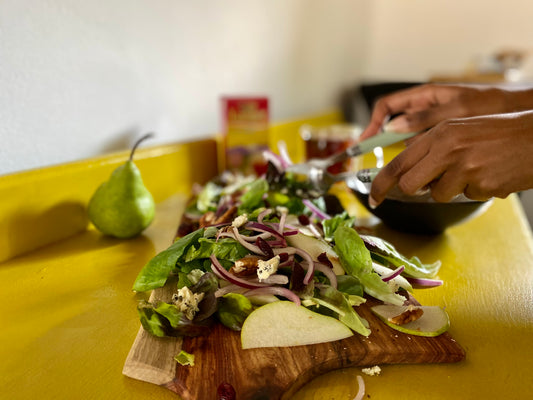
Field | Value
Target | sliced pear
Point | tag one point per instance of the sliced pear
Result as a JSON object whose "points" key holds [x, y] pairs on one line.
{"points": [[285, 324], [315, 246], [433, 322]]}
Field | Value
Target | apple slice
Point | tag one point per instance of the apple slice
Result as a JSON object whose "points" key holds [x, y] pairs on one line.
{"points": [[433, 322], [315, 246], [285, 324]]}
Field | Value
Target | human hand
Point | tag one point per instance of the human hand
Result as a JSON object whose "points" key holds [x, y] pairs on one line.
{"points": [[422, 107], [482, 157]]}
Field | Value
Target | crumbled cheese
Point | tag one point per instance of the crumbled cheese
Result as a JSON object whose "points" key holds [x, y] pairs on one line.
{"points": [[240, 221], [372, 371], [187, 302], [267, 268]]}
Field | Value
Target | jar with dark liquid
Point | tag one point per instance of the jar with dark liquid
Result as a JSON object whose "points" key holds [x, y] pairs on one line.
{"points": [[322, 142]]}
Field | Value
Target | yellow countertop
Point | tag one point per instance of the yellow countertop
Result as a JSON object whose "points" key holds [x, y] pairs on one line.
{"points": [[70, 315]]}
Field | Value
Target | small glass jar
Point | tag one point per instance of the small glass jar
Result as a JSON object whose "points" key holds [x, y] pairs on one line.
{"points": [[324, 141]]}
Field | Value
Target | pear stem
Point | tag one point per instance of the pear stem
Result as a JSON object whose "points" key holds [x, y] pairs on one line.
{"points": [[138, 142]]}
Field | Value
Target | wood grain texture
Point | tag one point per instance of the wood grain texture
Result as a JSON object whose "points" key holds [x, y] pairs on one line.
{"points": [[277, 373], [151, 358]]}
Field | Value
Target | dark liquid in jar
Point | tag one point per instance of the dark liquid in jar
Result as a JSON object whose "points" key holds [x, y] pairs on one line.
{"points": [[322, 147]]}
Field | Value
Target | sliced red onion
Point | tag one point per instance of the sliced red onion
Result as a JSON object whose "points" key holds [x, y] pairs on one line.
{"points": [[285, 259], [275, 290], [230, 289], [282, 221], [424, 282], [220, 225], [393, 274], [250, 239], [284, 154], [263, 214], [241, 240], [256, 226], [361, 392], [290, 226], [290, 233], [275, 279], [326, 270], [232, 278], [277, 243], [292, 230], [305, 256], [397, 280], [315, 210], [218, 274], [314, 231]]}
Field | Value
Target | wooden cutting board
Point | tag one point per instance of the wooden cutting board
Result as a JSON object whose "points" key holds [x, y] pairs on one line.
{"points": [[276, 373]]}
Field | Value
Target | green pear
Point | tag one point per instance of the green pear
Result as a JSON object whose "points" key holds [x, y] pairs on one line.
{"points": [[122, 207]]}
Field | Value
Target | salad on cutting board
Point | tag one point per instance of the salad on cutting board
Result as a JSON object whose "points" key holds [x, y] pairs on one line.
{"points": [[253, 254]]}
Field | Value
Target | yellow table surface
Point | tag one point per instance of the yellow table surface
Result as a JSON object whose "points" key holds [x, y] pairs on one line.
{"points": [[69, 316]]}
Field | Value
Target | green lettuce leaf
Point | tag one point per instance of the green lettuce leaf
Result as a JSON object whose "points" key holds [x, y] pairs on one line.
{"points": [[156, 272], [385, 253], [151, 321], [331, 225], [233, 309], [350, 285], [356, 261], [337, 302], [253, 197], [223, 249], [293, 204], [184, 358], [164, 319], [157, 319]]}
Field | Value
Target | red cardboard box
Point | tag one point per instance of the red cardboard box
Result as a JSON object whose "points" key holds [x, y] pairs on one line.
{"points": [[245, 128]]}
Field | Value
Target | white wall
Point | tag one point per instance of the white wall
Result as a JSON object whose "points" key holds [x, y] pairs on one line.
{"points": [[78, 78], [415, 39]]}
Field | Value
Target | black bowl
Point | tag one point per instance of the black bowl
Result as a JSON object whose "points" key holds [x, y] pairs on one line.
{"points": [[419, 214]]}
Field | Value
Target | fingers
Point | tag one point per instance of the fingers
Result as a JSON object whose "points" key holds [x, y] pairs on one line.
{"points": [[389, 105], [422, 120], [448, 186], [473, 193], [417, 168], [424, 174], [391, 174]]}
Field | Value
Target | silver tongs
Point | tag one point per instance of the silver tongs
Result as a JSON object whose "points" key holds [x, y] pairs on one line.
{"points": [[315, 173]]}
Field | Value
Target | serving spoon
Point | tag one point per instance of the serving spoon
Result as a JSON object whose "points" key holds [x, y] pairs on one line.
{"points": [[314, 172]]}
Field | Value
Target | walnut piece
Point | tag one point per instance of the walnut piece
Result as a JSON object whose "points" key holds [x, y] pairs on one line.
{"points": [[207, 219], [246, 266], [409, 315], [228, 216]]}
